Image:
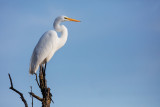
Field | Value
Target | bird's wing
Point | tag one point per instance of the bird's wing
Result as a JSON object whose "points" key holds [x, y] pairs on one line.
{"points": [[42, 49]]}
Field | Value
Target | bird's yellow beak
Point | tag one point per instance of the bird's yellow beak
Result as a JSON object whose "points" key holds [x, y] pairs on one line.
{"points": [[70, 19]]}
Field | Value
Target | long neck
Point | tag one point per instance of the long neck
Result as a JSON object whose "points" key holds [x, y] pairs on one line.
{"points": [[64, 33]]}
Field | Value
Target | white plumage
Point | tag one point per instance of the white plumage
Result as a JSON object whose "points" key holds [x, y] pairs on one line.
{"points": [[49, 43]]}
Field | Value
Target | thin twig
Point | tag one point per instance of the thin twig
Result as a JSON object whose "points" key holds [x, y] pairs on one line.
{"points": [[37, 80], [21, 95], [52, 100], [10, 80], [32, 96]]}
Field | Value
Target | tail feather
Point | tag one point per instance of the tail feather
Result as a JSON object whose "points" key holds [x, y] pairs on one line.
{"points": [[31, 72], [33, 69]]}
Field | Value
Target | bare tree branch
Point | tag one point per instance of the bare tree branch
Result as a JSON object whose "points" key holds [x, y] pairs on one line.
{"points": [[35, 96], [42, 84], [21, 95]]}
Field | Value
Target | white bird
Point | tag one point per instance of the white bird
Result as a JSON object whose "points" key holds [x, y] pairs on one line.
{"points": [[49, 43]]}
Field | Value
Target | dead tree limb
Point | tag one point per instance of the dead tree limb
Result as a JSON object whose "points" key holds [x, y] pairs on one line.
{"points": [[21, 95], [42, 84]]}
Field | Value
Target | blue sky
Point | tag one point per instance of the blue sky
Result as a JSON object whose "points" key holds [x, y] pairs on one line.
{"points": [[111, 58]]}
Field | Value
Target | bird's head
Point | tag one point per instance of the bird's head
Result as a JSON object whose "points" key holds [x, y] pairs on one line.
{"points": [[65, 18]]}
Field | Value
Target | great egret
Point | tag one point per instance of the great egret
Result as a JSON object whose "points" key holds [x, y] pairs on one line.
{"points": [[49, 43]]}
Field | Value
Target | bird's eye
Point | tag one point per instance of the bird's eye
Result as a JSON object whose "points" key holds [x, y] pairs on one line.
{"points": [[65, 17]]}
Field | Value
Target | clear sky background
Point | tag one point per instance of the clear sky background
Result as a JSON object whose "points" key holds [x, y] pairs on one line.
{"points": [[111, 58]]}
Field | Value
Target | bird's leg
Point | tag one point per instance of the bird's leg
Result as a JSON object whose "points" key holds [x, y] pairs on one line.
{"points": [[44, 74], [45, 67], [42, 68]]}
